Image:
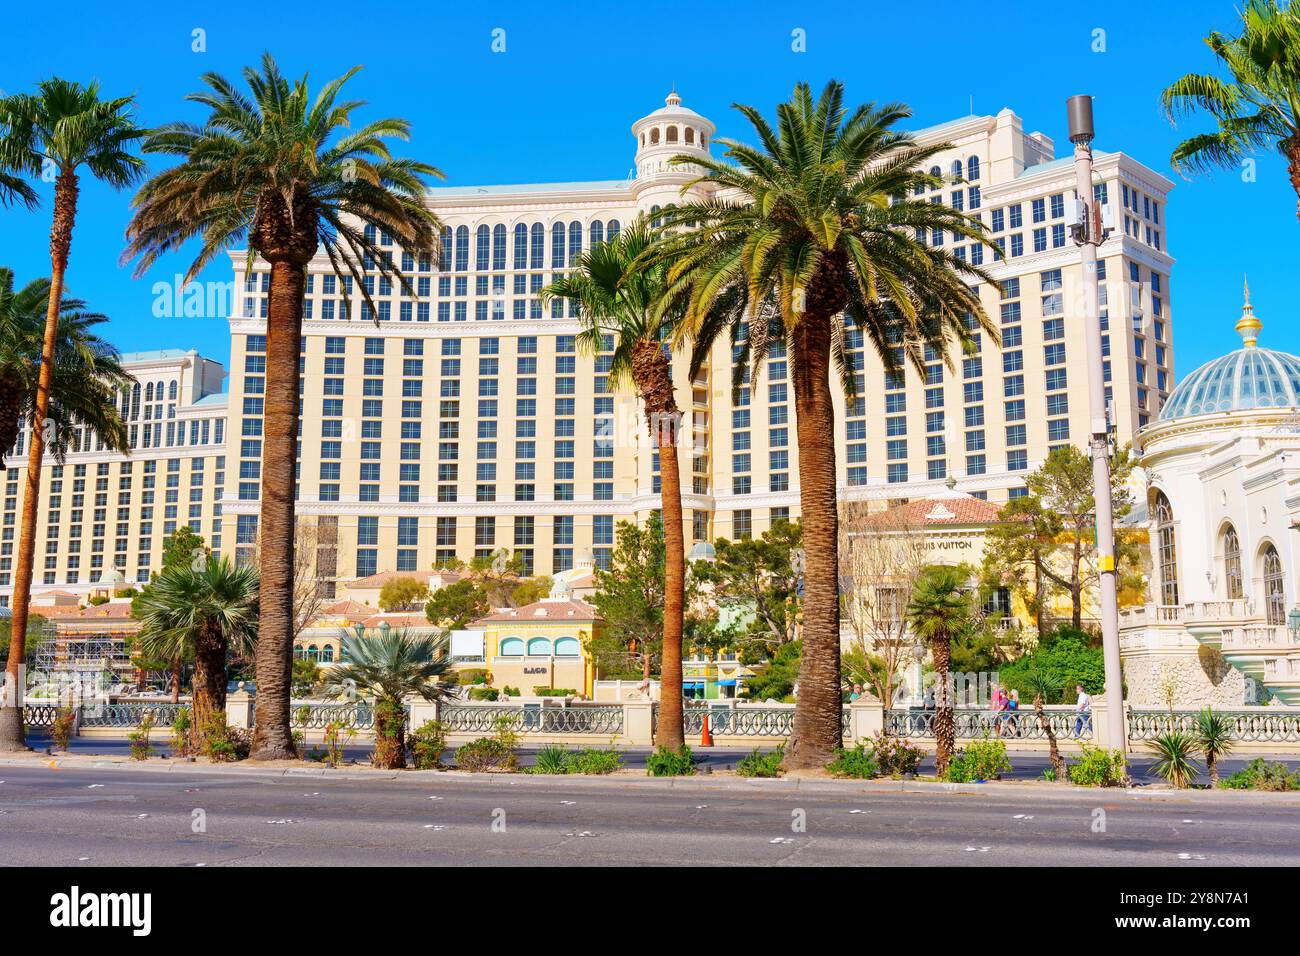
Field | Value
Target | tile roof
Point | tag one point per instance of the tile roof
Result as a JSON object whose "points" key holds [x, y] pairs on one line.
{"points": [[383, 577], [954, 510], [547, 609]]}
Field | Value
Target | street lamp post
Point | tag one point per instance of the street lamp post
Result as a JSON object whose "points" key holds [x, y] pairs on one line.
{"points": [[1088, 235]]}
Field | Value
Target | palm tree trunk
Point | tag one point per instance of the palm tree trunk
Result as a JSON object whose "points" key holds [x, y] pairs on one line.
{"points": [[272, 736], [1053, 751], [176, 680], [945, 731], [817, 730], [12, 736], [669, 732], [1293, 168], [209, 698]]}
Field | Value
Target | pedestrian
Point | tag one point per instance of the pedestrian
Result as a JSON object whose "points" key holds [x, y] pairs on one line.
{"points": [[1013, 708], [999, 707], [1082, 711], [857, 692]]}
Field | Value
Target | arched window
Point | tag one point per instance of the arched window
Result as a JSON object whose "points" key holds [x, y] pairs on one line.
{"points": [[498, 247], [462, 248], [612, 229], [148, 392], [1168, 550], [557, 246], [1274, 586], [512, 647], [575, 242], [539, 647], [973, 168], [327, 654], [654, 136], [1232, 563], [482, 248], [597, 233], [567, 647], [656, 221], [521, 246], [171, 391], [956, 169], [690, 135], [313, 652], [672, 134], [537, 252], [444, 253], [643, 139], [936, 172]]}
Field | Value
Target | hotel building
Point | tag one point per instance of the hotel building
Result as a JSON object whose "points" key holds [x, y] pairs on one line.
{"points": [[462, 418]]}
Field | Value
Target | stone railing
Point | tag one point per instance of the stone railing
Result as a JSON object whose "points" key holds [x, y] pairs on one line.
{"points": [[317, 715], [976, 723], [484, 719], [1258, 637], [1249, 724], [1151, 614]]}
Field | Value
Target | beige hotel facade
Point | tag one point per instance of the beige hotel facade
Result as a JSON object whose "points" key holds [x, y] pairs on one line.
{"points": [[462, 418]]}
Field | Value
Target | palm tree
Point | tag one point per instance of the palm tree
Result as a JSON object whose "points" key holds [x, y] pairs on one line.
{"points": [[202, 614], [287, 174], [85, 378], [67, 126], [820, 221], [619, 297], [390, 665], [1044, 684], [1214, 735], [1258, 107], [940, 609]]}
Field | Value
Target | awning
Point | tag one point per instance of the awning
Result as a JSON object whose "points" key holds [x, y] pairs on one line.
{"points": [[692, 684], [730, 682]]}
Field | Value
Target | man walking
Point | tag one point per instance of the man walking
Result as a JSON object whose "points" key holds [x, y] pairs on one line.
{"points": [[1083, 712]]}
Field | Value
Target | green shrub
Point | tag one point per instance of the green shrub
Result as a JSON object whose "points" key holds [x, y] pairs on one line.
{"points": [[554, 692], [1067, 659], [222, 744], [483, 693], [859, 763], [1259, 774], [427, 745], [1099, 767], [988, 759], [140, 747], [777, 679], [473, 675], [552, 758], [1174, 762], [65, 720], [759, 764], [666, 762], [498, 752], [510, 691], [895, 756], [594, 761], [961, 769]]}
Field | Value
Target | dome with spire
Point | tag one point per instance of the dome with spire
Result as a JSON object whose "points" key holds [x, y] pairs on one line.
{"points": [[1249, 378]]}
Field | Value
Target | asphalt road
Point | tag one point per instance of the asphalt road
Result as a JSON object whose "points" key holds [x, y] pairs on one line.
{"points": [[113, 816]]}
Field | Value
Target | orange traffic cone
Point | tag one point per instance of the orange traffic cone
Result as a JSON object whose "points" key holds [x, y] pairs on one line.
{"points": [[706, 738]]}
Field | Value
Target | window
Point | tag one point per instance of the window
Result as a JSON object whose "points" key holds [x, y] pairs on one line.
{"points": [[1232, 563], [1167, 550], [1274, 586]]}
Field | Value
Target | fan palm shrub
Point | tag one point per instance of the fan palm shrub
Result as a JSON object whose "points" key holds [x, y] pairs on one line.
{"points": [[807, 236], [1045, 685], [290, 175], [1256, 107], [940, 609], [201, 612], [389, 665], [1174, 758], [619, 295], [63, 127], [1213, 733]]}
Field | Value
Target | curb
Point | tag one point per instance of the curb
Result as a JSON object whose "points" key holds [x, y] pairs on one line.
{"points": [[701, 781]]}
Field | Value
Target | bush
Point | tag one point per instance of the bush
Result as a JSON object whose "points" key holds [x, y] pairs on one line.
{"points": [[1174, 760], [483, 693], [1066, 658], [759, 764], [140, 747], [858, 763], [427, 745], [554, 692], [776, 681], [666, 762], [510, 691], [498, 752], [1259, 774], [1099, 767], [473, 675], [65, 720], [895, 755], [986, 760], [222, 744], [551, 758], [182, 726]]}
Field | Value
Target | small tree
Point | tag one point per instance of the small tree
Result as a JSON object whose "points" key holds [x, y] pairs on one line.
{"points": [[454, 606], [758, 581], [1045, 685], [630, 598], [389, 666], [1213, 734], [403, 594], [941, 608]]}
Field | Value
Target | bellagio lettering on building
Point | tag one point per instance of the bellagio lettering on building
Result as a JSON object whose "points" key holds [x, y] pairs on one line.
{"points": [[462, 418]]}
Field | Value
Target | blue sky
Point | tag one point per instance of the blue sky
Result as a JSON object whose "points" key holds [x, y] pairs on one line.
{"points": [[558, 103]]}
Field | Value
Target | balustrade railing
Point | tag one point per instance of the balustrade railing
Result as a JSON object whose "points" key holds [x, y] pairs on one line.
{"points": [[604, 719], [357, 715], [1254, 726], [132, 713], [972, 724]]}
